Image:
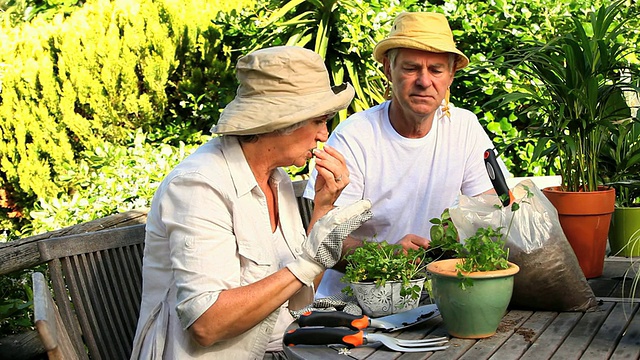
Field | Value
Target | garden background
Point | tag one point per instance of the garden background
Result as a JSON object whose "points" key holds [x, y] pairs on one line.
{"points": [[100, 99]]}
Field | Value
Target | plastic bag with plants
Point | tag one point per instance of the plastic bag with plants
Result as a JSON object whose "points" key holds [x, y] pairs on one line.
{"points": [[550, 277]]}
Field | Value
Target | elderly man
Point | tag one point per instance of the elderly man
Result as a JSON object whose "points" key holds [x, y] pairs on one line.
{"points": [[413, 154]]}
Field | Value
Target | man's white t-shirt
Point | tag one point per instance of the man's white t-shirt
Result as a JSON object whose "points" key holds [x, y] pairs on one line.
{"points": [[409, 181]]}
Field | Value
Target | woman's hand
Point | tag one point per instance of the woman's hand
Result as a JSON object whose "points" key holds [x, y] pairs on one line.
{"points": [[332, 178]]}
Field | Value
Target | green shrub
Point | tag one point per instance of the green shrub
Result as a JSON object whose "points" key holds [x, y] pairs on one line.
{"points": [[67, 113], [488, 30], [75, 82], [110, 179], [71, 83], [16, 299]]}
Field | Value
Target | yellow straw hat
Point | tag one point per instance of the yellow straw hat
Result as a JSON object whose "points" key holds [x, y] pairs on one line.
{"points": [[426, 31], [280, 86]]}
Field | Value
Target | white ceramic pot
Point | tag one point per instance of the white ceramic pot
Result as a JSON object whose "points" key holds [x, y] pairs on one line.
{"points": [[384, 300]]}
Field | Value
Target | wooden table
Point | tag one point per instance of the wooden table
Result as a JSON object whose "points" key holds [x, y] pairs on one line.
{"points": [[611, 332]]}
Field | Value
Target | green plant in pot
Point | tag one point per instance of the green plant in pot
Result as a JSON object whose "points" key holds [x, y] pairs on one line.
{"points": [[473, 289], [621, 165], [572, 93], [384, 278]]}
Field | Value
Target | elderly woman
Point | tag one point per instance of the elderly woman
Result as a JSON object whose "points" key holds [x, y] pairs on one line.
{"points": [[226, 254]]}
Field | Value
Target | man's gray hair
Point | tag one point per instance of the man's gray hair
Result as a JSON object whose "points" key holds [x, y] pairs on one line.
{"points": [[392, 54]]}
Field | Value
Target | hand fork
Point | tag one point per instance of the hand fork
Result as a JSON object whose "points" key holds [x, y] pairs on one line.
{"points": [[351, 338]]}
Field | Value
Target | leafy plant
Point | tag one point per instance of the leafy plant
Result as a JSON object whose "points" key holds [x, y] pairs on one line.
{"points": [[573, 87], [444, 237], [380, 262], [16, 299], [486, 250], [632, 274], [620, 162]]}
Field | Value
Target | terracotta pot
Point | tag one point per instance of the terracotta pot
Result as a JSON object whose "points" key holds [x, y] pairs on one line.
{"points": [[624, 235], [475, 311], [585, 218]]}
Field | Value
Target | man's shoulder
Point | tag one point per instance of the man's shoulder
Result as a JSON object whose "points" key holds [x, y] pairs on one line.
{"points": [[462, 112], [364, 120], [462, 118]]}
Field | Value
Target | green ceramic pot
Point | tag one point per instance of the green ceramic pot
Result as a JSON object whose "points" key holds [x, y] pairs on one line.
{"points": [[475, 311], [624, 233]]}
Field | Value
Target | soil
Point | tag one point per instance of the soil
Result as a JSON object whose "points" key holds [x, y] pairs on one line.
{"points": [[550, 279], [527, 334]]}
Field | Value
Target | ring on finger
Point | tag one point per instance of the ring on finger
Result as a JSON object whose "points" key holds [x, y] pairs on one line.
{"points": [[338, 178]]}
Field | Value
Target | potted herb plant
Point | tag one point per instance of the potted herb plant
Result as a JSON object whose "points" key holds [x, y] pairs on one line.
{"points": [[625, 222], [621, 164], [473, 289], [384, 278], [572, 91]]}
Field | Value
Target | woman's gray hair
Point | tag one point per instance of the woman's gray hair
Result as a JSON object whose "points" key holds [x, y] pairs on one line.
{"points": [[284, 131]]}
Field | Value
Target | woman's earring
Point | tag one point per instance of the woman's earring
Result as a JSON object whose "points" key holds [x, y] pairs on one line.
{"points": [[445, 107]]}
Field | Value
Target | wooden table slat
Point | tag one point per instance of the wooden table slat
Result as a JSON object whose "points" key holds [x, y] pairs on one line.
{"points": [[582, 334], [629, 345], [524, 336], [609, 334], [548, 342]]}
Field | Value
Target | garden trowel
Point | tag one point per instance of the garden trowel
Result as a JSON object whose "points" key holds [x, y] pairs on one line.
{"points": [[360, 322]]}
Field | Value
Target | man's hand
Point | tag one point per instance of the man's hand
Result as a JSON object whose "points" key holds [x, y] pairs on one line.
{"points": [[412, 241]]}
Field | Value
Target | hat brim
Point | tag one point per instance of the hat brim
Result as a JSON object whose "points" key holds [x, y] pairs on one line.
{"points": [[264, 114], [394, 42]]}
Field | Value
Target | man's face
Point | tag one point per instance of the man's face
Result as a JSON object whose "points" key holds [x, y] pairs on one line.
{"points": [[420, 80]]}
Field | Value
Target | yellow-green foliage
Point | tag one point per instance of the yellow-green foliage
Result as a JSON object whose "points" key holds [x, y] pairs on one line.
{"points": [[70, 83]]}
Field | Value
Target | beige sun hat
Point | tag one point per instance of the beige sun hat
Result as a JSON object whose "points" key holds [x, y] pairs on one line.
{"points": [[280, 86], [426, 31]]}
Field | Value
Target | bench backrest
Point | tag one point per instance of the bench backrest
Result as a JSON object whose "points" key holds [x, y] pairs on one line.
{"points": [[51, 329], [305, 205], [97, 282]]}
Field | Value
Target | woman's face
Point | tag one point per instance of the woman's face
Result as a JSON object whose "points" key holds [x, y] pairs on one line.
{"points": [[299, 145]]}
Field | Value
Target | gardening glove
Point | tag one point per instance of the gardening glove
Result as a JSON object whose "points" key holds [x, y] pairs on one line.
{"points": [[323, 247]]}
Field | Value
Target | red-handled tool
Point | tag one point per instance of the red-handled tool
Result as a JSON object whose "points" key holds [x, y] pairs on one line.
{"points": [[353, 338], [497, 178], [324, 336], [360, 322], [334, 319]]}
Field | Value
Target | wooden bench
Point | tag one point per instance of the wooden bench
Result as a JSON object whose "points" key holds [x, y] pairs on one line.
{"points": [[97, 283], [53, 333]]}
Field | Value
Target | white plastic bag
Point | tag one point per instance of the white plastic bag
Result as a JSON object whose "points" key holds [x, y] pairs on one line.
{"points": [[550, 277]]}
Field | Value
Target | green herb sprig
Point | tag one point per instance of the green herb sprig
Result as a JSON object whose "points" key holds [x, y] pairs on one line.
{"points": [[380, 262], [486, 250]]}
